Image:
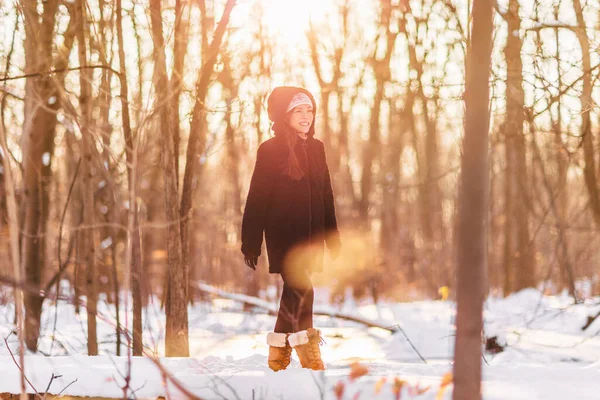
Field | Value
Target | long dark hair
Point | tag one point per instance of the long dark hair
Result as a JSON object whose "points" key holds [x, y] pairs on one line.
{"points": [[292, 167]]}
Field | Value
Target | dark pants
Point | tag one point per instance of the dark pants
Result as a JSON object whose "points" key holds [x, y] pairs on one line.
{"points": [[296, 305]]}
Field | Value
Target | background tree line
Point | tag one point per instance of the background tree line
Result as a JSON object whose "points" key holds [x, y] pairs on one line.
{"points": [[131, 132]]}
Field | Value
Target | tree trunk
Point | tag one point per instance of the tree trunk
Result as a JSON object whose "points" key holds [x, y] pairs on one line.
{"points": [[134, 251], [430, 197], [37, 148], [179, 53], [560, 158], [382, 73], [371, 151], [396, 248], [197, 137], [176, 340], [104, 102], [519, 258], [85, 84], [589, 152], [473, 208], [13, 229], [344, 150]]}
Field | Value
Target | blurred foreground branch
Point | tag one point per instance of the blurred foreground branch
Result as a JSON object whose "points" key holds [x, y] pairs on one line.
{"points": [[272, 308]]}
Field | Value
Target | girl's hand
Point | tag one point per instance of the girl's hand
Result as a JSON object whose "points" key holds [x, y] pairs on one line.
{"points": [[251, 261]]}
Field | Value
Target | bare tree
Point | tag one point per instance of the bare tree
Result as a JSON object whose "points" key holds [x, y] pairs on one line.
{"points": [[176, 305], [332, 85], [85, 83], [37, 149], [590, 167], [382, 74], [13, 227], [179, 52], [134, 251], [519, 265], [473, 208]]}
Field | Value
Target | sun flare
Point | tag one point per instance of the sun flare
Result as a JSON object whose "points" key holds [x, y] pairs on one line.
{"points": [[289, 19]]}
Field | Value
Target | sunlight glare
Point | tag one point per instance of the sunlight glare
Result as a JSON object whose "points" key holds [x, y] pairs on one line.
{"points": [[288, 20]]}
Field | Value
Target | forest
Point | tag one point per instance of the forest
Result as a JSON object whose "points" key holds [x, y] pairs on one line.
{"points": [[129, 133]]}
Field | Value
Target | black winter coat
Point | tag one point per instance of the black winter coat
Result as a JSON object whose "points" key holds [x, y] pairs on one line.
{"points": [[290, 212]]}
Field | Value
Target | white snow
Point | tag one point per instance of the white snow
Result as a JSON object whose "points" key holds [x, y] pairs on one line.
{"points": [[46, 159], [548, 356], [106, 243]]}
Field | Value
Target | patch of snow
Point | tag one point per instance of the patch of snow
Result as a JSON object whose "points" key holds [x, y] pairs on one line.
{"points": [[46, 159], [547, 356]]}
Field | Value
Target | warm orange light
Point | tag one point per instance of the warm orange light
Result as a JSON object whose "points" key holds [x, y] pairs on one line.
{"points": [[289, 20]]}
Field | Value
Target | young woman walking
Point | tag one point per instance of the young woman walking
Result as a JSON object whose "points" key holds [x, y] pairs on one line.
{"points": [[291, 201]]}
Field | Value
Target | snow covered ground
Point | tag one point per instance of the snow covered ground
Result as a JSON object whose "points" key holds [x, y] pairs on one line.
{"points": [[548, 356]]}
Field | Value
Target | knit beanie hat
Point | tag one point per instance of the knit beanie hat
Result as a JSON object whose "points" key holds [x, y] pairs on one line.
{"points": [[283, 99]]}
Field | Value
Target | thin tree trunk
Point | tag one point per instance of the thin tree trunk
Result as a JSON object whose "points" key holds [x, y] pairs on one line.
{"points": [[563, 251], [197, 138], [430, 198], [176, 340], [589, 152], [389, 218], [13, 229], [138, 99], [381, 69], [473, 208], [104, 101], [429, 192], [37, 140], [370, 153], [134, 251], [233, 196], [179, 53], [519, 248], [85, 83], [344, 149], [559, 155]]}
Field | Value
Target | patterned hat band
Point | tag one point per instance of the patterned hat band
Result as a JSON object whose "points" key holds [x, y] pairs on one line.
{"points": [[297, 100]]}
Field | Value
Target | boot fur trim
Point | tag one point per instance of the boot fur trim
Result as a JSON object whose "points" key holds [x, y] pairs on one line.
{"points": [[276, 339], [298, 338]]}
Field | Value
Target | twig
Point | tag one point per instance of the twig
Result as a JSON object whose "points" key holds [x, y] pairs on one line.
{"points": [[590, 321], [411, 344], [133, 391], [484, 359], [320, 386], [52, 378], [62, 266], [58, 70], [174, 381], [66, 387], [20, 369], [215, 389]]}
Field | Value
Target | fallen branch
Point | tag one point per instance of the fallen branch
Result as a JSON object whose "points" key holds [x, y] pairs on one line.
{"points": [[169, 377], [590, 321], [272, 308]]}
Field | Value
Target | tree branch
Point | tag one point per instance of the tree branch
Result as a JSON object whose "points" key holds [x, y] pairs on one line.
{"points": [[272, 308]]}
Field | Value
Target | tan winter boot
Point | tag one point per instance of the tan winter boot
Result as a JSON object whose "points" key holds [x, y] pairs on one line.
{"points": [[307, 345], [280, 351]]}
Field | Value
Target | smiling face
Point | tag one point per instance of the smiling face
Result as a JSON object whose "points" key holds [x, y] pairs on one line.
{"points": [[301, 118]]}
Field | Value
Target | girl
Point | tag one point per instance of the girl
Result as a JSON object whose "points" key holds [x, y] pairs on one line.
{"points": [[291, 201]]}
